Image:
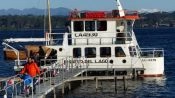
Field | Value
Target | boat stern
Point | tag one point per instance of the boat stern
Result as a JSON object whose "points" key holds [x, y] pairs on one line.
{"points": [[153, 62]]}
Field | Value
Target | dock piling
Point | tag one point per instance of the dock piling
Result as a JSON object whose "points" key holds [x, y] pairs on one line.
{"points": [[124, 83], [115, 81], [69, 85], [54, 92], [134, 75], [96, 80], [82, 79]]}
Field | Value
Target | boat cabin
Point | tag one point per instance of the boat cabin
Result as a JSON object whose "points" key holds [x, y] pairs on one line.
{"points": [[100, 27]]}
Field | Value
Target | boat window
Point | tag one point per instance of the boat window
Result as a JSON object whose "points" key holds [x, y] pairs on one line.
{"points": [[90, 52], [90, 25], [78, 26], [119, 52], [101, 25], [132, 51], [76, 52], [105, 52]]}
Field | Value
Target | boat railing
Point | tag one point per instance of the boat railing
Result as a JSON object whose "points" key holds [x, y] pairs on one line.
{"points": [[57, 39], [151, 52], [21, 62], [14, 49], [18, 67], [75, 14], [41, 62], [50, 77]]}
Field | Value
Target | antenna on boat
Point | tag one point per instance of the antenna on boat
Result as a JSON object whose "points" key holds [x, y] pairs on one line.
{"points": [[120, 8], [49, 17]]}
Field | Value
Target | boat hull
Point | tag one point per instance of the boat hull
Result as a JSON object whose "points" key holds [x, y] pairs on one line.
{"points": [[154, 67]]}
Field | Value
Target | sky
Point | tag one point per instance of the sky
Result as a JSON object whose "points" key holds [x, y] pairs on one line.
{"points": [[164, 5]]}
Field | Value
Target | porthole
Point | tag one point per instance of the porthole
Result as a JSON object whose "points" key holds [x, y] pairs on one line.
{"points": [[60, 49], [124, 61], [111, 61]]}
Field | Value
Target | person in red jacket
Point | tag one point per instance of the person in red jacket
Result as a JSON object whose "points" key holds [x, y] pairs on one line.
{"points": [[32, 69]]}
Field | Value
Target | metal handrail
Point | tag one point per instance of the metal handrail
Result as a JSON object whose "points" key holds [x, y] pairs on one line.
{"points": [[150, 52], [103, 14], [57, 39], [15, 50]]}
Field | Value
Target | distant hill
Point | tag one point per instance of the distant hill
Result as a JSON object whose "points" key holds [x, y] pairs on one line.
{"points": [[35, 11]]}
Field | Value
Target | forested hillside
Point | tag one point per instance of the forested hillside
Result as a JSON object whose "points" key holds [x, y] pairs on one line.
{"points": [[20, 22], [16, 22], [157, 19]]}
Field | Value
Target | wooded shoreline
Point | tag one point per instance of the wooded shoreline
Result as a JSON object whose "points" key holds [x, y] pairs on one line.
{"points": [[28, 22]]}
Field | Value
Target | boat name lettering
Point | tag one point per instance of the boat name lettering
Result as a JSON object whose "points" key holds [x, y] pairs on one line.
{"points": [[101, 61], [87, 61], [86, 34], [148, 59]]}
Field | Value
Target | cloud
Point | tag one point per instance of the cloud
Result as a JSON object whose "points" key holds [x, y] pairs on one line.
{"points": [[149, 10]]}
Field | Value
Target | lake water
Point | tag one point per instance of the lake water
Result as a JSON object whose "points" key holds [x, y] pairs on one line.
{"points": [[147, 88]]}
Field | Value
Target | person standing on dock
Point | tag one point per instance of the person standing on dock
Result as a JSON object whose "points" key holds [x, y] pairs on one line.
{"points": [[32, 69]]}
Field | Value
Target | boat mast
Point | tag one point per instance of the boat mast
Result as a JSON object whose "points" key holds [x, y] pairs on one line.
{"points": [[49, 17], [120, 8]]}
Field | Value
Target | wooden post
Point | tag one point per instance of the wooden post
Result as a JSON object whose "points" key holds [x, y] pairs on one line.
{"points": [[124, 83], [82, 78], [101, 84], [134, 73], [69, 85], [86, 75], [96, 80], [115, 81], [54, 92]]}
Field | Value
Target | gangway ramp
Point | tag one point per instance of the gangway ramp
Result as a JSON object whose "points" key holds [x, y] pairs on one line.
{"points": [[47, 82]]}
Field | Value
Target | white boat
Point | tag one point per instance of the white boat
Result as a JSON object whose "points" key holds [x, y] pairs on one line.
{"points": [[106, 40]]}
